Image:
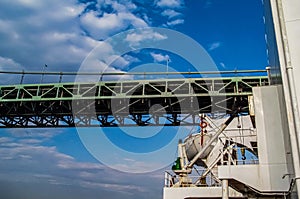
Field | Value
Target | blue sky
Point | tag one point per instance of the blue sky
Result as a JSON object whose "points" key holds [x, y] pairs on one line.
{"points": [[54, 163]]}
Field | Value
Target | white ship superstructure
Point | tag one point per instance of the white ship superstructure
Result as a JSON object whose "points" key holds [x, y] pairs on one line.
{"points": [[247, 157], [254, 155]]}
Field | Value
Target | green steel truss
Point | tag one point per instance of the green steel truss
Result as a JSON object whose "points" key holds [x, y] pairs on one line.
{"points": [[125, 103]]}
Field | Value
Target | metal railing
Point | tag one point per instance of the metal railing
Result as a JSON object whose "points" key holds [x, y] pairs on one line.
{"points": [[136, 75], [208, 181]]}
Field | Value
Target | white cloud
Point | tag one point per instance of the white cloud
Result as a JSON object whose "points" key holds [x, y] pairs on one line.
{"points": [[223, 65], [34, 32], [120, 62], [61, 34], [175, 22], [117, 61], [104, 59], [145, 35], [170, 13], [51, 33], [7, 64], [31, 141], [34, 133], [160, 57], [5, 139], [131, 59], [128, 164], [43, 32], [37, 164], [169, 3], [124, 6], [101, 28], [111, 23], [214, 46], [130, 189]]}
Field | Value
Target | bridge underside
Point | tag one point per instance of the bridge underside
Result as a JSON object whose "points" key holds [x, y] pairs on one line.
{"points": [[128, 103]]}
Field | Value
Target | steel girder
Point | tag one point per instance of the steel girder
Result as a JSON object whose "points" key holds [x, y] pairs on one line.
{"points": [[124, 103]]}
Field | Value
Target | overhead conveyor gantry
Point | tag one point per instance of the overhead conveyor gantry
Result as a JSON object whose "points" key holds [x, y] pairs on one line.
{"points": [[121, 103]]}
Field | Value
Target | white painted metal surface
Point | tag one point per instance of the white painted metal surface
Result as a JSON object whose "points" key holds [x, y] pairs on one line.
{"points": [[225, 189], [276, 110], [273, 146], [194, 144], [286, 18], [196, 192]]}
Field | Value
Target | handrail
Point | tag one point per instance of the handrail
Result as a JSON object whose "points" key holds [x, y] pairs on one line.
{"points": [[131, 73]]}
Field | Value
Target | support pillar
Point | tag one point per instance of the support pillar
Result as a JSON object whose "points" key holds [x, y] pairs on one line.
{"points": [[225, 189]]}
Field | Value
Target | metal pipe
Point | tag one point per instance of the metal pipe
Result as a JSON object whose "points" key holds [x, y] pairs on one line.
{"points": [[185, 159], [225, 189], [268, 68], [290, 73], [166, 179], [180, 153], [194, 160], [289, 86]]}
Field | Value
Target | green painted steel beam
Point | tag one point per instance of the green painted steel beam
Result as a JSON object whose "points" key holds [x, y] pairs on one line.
{"points": [[156, 88], [121, 103]]}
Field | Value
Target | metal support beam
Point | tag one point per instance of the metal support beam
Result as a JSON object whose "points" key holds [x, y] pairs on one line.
{"points": [[125, 103], [225, 189]]}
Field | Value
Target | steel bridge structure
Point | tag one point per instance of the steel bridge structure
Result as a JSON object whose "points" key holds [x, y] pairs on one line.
{"points": [[164, 101]]}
